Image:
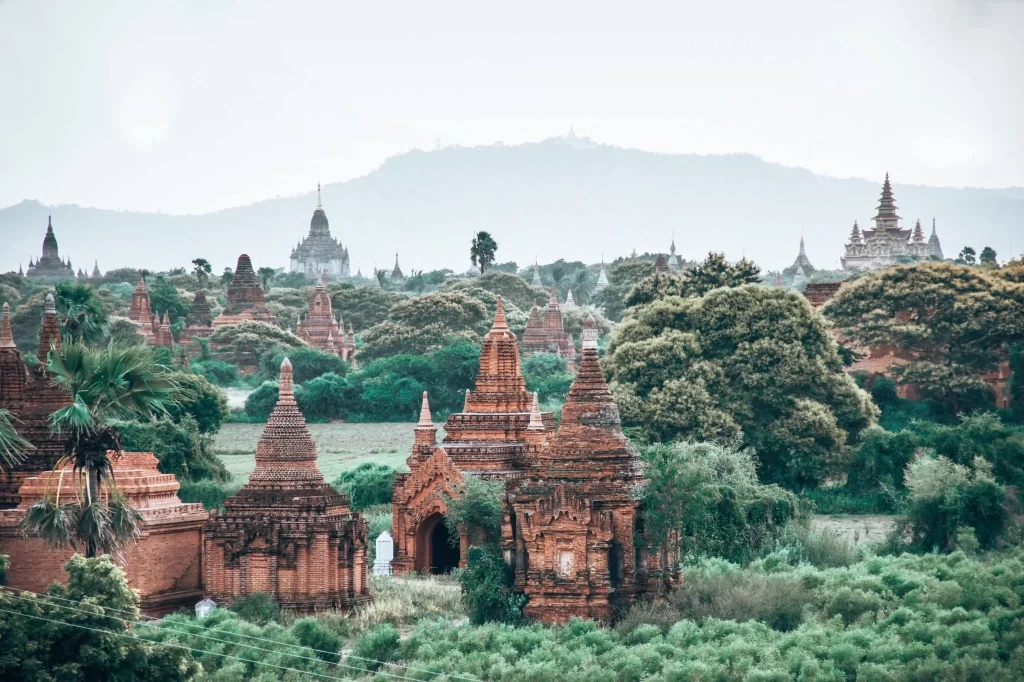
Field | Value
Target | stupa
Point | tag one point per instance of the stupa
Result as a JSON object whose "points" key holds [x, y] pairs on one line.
{"points": [[320, 329], [140, 311], [245, 300], [546, 333], [30, 397], [287, 532], [50, 266]]}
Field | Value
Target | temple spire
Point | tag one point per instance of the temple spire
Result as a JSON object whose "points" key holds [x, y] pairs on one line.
{"points": [[536, 422], [285, 385], [500, 325], [553, 299], [425, 419], [6, 337], [319, 203], [49, 335]]}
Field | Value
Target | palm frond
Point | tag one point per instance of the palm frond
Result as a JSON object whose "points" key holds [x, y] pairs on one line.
{"points": [[125, 520], [55, 524], [12, 445]]}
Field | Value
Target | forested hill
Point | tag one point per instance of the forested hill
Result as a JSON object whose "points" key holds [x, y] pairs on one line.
{"points": [[546, 199]]}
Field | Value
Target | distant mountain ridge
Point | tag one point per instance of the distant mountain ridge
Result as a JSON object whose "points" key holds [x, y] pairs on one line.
{"points": [[546, 199]]}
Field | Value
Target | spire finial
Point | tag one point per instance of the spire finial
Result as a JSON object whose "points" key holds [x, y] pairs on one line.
{"points": [[319, 203], [285, 387], [553, 298], [499, 317], [6, 337], [425, 419], [51, 305], [465, 404]]}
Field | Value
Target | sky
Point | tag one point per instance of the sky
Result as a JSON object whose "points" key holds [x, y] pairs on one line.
{"points": [[189, 107]]}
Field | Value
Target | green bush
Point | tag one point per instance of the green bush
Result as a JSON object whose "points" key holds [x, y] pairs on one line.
{"points": [[379, 645], [476, 509], [548, 375], [307, 363], [257, 607], [181, 448], [487, 588], [368, 484], [260, 403], [205, 403], [879, 460], [326, 397], [945, 498], [216, 371], [777, 600], [312, 634], [211, 494]]}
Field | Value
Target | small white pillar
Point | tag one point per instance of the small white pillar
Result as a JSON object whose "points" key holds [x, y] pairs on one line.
{"points": [[204, 607], [385, 553]]}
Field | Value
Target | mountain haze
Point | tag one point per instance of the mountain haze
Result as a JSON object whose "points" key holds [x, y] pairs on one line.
{"points": [[548, 199]]}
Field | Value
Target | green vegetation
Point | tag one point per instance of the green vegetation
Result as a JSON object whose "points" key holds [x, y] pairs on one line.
{"points": [[367, 485], [482, 251]]}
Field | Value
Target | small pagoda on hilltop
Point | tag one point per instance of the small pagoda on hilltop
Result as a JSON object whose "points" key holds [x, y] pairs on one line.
{"points": [[321, 330], [888, 244], [245, 300], [546, 333], [31, 397], [319, 251], [50, 265], [287, 532]]}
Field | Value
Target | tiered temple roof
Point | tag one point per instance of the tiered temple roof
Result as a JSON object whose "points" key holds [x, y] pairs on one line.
{"points": [[31, 398], [287, 532], [164, 565], [546, 333], [397, 277], [50, 265], [245, 300], [321, 330], [319, 251]]}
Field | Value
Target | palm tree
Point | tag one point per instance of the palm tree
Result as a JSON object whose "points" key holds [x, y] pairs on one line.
{"points": [[11, 444], [119, 382], [201, 270], [582, 284], [481, 253], [84, 318], [266, 276]]}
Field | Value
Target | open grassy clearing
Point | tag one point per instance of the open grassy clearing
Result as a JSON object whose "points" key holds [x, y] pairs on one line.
{"points": [[340, 446]]}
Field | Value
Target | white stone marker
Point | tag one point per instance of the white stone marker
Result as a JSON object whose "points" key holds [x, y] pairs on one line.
{"points": [[385, 553]]}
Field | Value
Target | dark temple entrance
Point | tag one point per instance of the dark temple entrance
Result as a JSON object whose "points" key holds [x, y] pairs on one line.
{"points": [[435, 552]]}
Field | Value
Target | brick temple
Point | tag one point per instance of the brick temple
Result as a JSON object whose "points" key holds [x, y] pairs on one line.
{"points": [[321, 330], [245, 300], [546, 333], [287, 532], [164, 565], [152, 326], [571, 528], [199, 322], [30, 397]]}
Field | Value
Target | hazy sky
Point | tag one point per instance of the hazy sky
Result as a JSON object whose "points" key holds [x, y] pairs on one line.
{"points": [[193, 106]]}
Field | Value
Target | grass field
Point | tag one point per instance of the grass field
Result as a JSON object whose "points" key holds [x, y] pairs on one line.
{"points": [[340, 447]]}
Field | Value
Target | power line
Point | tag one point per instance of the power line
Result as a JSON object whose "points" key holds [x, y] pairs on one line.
{"points": [[168, 627]]}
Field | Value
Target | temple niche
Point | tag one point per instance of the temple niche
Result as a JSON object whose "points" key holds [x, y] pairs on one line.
{"points": [[321, 330], [50, 265], [571, 527], [545, 333], [888, 243], [287, 532], [319, 251], [245, 300], [31, 398]]}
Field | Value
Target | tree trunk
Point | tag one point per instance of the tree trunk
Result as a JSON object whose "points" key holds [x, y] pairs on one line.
{"points": [[93, 481]]}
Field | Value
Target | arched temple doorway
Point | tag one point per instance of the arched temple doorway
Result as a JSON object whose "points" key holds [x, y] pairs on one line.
{"points": [[435, 551]]}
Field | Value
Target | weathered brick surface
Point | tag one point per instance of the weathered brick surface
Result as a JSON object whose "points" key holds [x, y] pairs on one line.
{"points": [[570, 526], [245, 299], [546, 333], [287, 532], [164, 566]]}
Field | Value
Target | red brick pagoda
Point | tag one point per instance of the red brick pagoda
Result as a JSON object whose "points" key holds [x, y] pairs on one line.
{"points": [[140, 311], [164, 565], [287, 532], [199, 323], [31, 398], [245, 299], [546, 334], [321, 330]]}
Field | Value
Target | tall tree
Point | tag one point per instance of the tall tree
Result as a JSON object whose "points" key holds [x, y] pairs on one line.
{"points": [[751, 363], [710, 274], [113, 383], [83, 317], [987, 256], [967, 255], [481, 253], [952, 324], [202, 269], [266, 276]]}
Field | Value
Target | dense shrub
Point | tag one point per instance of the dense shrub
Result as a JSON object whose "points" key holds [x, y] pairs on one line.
{"points": [[326, 397], [476, 509], [312, 634], [216, 371], [945, 497], [211, 494], [367, 485], [377, 646], [244, 343], [260, 403], [204, 402], [548, 375], [487, 588], [307, 363], [257, 607], [879, 460], [709, 494], [181, 448]]}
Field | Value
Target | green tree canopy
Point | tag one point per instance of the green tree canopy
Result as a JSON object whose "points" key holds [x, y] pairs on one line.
{"points": [[81, 313], [512, 288], [750, 363], [482, 251], [954, 324], [245, 342], [363, 306], [711, 273]]}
